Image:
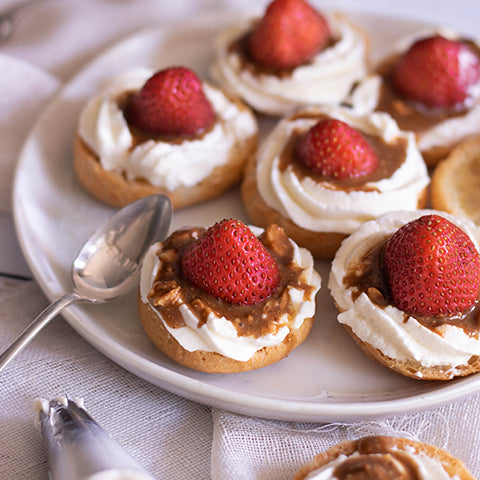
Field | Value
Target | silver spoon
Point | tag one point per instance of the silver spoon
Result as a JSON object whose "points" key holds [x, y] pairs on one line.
{"points": [[108, 265]]}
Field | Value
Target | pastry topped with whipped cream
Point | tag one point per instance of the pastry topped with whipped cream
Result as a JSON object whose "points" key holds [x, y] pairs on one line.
{"points": [[162, 132], [292, 56], [322, 172], [228, 298], [431, 86], [384, 458], [407, 286]]}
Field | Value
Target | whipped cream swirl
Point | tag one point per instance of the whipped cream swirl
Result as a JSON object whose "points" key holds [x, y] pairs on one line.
{"points": [[167, 165], [318, 207], [387, 329], [218, 334], [326, 79]]}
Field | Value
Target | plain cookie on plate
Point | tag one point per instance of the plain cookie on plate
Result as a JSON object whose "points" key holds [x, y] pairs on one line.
{"points": [[455, 182]]}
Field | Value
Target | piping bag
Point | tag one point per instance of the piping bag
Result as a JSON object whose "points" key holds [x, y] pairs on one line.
{"points": [[79, 449]]}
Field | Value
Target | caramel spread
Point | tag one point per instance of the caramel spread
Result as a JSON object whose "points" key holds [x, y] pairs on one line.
{"points": [[390, 158], [378, 459], [170, 289], [413, 116], [368, 277]]}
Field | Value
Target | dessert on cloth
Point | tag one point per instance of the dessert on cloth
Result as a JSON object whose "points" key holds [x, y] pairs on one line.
{"points": [[384, 457], [431, 86], [407, 286], [228, 298], [322, 172], [291, 56], [162, 132]]}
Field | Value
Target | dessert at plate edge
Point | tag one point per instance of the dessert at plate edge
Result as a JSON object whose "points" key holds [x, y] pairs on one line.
{"points": [[384, 457], [229, 298], [430, 84], [406, 285], [164, 132], [456, 181], [291, 56], [319, 210]]}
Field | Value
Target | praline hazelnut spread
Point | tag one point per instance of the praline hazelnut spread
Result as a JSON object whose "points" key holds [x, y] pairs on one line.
{"points": [[200, 321]]}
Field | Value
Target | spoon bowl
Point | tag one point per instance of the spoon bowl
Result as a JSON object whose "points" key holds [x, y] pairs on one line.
{"points": [[108, 265]]}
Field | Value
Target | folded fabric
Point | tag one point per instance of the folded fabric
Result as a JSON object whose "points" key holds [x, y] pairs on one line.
{"points": [[25, 92], [168, 436]]}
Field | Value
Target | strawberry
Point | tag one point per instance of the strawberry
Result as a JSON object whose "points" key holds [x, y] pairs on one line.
{"points": [[432, 268], [334, 149], [229, 262], [289, 34], [437, 72], [171, 102]]}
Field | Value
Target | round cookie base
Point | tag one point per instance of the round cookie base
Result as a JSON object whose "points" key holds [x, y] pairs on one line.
{"points": [[452, 465], [116, 190], [213, 362], [321, 244], [412, 368], [456, 181]]}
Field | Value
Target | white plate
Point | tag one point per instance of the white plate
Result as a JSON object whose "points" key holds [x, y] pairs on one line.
{"points": [[325, 379]]}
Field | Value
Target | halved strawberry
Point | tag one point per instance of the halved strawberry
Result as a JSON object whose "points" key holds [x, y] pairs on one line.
{"points": [[437, 72], [334, 149], [171, 102], [432, 268], [229, 262], [289, 34]]}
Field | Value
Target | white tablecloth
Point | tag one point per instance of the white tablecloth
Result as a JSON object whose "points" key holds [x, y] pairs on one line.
{"points": [[170, 436]]}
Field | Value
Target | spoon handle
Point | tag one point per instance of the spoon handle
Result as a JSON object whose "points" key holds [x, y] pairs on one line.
{"points": [[40, 321]]}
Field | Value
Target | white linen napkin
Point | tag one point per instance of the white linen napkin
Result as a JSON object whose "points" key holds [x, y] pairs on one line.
{"points": [[169, 436], [25, 91]]}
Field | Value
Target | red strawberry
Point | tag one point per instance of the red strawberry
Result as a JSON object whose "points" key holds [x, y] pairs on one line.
{"points": [[334, 149], [228, 261], [432, 268], [171, 102], [437, 72], [289, 34]]}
